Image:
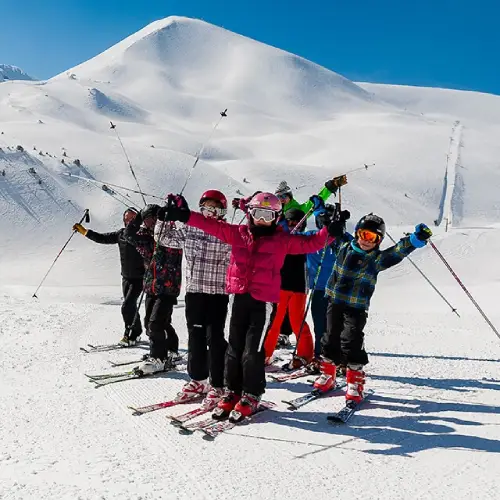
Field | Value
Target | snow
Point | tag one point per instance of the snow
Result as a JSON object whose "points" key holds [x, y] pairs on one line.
{"points": [[8, 72], [432, 426]]}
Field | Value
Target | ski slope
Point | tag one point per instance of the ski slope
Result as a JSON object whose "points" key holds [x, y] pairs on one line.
{"points": [[432, 426]]}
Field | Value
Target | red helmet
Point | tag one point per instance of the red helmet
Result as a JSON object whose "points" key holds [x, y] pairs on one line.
{"points": [[213, 194]]}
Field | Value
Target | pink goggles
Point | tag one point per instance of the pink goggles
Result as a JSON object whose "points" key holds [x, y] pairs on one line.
{"points": [[263, 214], [212, 211]]}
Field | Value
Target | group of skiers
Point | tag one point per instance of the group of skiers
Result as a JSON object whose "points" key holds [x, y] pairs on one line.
{"points": [[269, 260]]}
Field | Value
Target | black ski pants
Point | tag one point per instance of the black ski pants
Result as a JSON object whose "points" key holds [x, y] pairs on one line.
{"points": [[343, 342], [206, 318], [319, 306], [162, 335], [132, 289], [244, 371]]}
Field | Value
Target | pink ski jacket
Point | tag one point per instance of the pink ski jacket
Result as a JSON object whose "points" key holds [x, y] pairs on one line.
{"points": [[255, 264]]}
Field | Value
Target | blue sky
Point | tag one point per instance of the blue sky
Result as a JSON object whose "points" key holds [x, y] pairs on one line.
{"points": [[440, 43]]}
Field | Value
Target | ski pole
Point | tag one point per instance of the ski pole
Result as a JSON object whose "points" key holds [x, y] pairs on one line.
{"points": [[234, 215], [459, 281], [223, 114], [136, 315], [86, 218], [453, 309], [113, 127], [96, 181]]}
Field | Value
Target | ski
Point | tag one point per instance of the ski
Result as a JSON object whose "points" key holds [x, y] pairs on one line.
{"points": [[111, 347], [123, 378], [178, 360], [283, 377], [141, 410], [297, 403], [180, 420], [106, 376], [191, 427], [350, 408], [212, 431]]}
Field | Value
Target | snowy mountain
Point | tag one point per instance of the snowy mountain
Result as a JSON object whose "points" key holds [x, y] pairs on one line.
{"points": [[433, 156], [8, 72]]}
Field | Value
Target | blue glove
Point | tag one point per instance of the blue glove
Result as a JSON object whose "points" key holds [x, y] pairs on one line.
{"points": [[317, 202], [419, 238]]}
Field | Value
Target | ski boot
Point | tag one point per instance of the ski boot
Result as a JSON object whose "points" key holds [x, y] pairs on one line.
{"points": [[283, 342], [151, 365], [127, 341], [313, 368], [212, 398], [355, 384], [245, 407], [294, 364], [193, 390], [326, 380], [226, 405]]}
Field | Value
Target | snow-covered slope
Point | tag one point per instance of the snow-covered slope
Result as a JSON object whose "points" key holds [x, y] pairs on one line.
{"points": [[8, 72], [432, 428]]}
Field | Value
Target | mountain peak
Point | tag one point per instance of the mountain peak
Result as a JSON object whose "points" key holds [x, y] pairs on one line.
{"points": [[9, 72]]}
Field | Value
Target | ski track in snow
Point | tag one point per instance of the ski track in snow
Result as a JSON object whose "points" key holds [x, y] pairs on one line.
{"points": [[434, 405], [452, 164]]}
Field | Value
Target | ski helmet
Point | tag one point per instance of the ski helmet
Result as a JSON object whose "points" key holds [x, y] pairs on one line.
{"points": [[149, 211], [267, 201], [213, 194], [130, 210], [283, 189], [372, 222], [295, 215]]}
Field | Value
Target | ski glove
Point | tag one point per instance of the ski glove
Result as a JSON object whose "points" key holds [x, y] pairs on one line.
{"points": [[80, 229], [236, 203], [177, 209], [162, 213], [333, 184], [419, 238], [317, 202]]}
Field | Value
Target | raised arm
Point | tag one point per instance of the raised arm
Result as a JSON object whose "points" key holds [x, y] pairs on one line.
{"points": [[299, 244], [103, 238], [228, 233], [395, 254]]}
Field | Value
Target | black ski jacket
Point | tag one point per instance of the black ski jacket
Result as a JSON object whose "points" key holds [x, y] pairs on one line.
{"points": [[131, 260]]}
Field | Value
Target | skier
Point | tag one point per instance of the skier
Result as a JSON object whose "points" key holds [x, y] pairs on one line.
{"points": [[132, 270], [349, 290], [162, 285], [292, 301], [319, 302], [285, 195], [257, 255], [206, 298]]}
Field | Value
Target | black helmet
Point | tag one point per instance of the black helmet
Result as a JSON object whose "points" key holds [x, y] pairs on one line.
{"points": [[372, 222], [150, 211], [295, 215]]}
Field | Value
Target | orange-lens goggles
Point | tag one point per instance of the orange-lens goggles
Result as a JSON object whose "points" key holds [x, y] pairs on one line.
{"points": [[367, 235]]}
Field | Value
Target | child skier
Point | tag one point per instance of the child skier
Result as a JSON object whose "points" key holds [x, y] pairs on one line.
{"points": [[285, 194], [132, 269], [292, 301], [257, 255], [207, 259], [162, 285], [324, 263], [349, 290]]}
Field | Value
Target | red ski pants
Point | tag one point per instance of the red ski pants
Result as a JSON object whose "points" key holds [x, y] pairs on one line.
{"points": [[295, 302]]}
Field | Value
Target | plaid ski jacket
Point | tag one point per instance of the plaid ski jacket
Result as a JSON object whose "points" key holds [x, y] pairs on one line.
{"points": [[207, 257], [355, 272]]}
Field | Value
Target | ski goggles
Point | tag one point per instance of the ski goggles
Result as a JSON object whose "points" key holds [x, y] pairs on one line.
{"points": [[263, 214], [367, 235], [212, 211]]}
